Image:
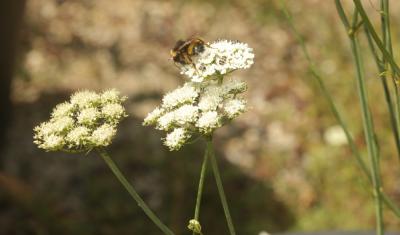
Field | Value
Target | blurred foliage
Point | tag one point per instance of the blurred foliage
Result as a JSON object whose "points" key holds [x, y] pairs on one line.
{"points": [[281, 168]]}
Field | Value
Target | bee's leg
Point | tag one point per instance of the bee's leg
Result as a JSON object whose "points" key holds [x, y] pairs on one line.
{"points": [[192, 63], [194, 66]]}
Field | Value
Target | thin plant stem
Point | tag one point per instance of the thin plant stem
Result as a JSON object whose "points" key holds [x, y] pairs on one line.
{"points": [[387, 43], [114, 168], [382, 75], [326, 94], [386, 49], [386, 54], [201, 184], [367, 121], [221, 192]]}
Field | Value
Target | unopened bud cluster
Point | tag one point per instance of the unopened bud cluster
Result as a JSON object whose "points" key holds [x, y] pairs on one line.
{"points": [[87, 121], [194, 226]]}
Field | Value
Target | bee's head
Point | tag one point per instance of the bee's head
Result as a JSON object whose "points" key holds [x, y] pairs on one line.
{"points": [[198, 48]]}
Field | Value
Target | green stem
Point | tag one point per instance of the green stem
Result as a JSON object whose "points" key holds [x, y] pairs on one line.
{"points": [[382, 75], [326, 94], [367, 123], [375, 37], [387, 43], [110, 163], [201, 184], [220, 187], [316, 74]]}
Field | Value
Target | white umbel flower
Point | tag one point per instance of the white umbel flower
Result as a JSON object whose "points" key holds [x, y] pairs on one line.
{"points": [[88, 116], [219, 58], [184, 95], [186, 114], [61, 124], [103, 135], [112, 96], [233, 87], [62, 110], [208, 122], [85, 99], [52, 142], [166, 121], [175, 139], [88, 121], [234, 107], [78, 136], [212, 105], [153, 116], [113, 111], [207, 102]]}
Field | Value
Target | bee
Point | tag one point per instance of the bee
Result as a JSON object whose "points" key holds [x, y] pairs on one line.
{"points": [[183, 51]]}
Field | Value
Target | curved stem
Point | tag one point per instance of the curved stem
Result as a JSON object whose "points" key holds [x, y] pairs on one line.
{"points": [[201, 184], [110, 163], [221, 192]]}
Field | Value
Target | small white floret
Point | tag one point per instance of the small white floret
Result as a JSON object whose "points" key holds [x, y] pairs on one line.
{"points": [[208, 122], [85, 99], [63, 109], [183, 95], [176, 139], [78, 136], [166, 121], [153, 116], [234, 108], [186, 114], [88, 116], [103, 135]]}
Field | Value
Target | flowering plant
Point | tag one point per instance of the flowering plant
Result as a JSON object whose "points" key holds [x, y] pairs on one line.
{"points": [[89, 120], [207, 102], [204, 103]]}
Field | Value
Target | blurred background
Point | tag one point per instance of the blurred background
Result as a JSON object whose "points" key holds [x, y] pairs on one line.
{"points": [[285, 163]]}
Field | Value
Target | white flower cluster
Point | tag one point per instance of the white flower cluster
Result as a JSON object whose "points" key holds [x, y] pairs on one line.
{"points": [[207, 102], [220, 57], [197, 108], [89, 120]]}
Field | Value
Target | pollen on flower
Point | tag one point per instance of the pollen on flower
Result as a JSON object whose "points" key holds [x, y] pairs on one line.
{"points": [[87, 121]]}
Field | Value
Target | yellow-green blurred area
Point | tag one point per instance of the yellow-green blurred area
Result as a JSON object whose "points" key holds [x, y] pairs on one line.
{"points": [[285, 163]]}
